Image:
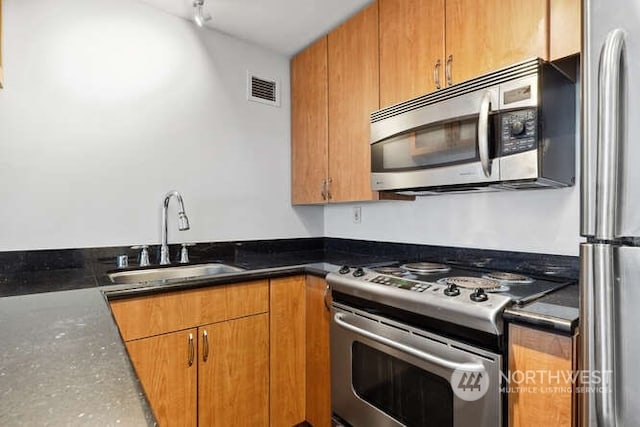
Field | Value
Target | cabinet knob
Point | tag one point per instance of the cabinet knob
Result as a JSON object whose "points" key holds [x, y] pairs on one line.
{"points": [[447, 70], [436, 74]]}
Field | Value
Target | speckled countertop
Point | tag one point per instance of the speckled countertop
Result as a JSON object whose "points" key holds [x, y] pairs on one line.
{"points": [[62, 360], [62, 363]]}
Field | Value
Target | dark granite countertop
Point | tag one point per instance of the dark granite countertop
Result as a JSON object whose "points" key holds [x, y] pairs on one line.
{"points": [[62, 360]]}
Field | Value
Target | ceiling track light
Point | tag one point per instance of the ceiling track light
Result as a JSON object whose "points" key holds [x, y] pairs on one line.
{"points": [[199, 15]]}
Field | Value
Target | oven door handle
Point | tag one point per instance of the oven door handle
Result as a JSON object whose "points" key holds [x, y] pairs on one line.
{"points": [[436, 360]]}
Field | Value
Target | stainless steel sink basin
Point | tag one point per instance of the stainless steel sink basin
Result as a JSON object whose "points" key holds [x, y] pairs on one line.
{"points": [[171, 273]]}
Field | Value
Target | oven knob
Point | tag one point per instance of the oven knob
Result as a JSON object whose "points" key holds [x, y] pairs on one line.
{"points": [[359, 272], [344, 269], [452, 290], [517, 127], [479, 295]]}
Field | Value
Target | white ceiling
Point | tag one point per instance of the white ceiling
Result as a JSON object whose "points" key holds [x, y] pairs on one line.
{"points": [[285, 26]]}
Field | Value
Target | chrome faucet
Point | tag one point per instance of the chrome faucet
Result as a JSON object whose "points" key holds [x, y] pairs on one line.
{"points": [[183, 224]]}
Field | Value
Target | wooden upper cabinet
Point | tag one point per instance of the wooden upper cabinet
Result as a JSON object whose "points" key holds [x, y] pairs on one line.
{"points": [[309, 124], [411, 49], [565, 31], [483, 36], [167, 377], [353, 95]]}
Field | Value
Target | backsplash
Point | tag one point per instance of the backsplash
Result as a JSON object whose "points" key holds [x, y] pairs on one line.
{"points": [[27, 272]]}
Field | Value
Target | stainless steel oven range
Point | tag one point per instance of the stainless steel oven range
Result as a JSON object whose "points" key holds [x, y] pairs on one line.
{"points": [[422, 344]]}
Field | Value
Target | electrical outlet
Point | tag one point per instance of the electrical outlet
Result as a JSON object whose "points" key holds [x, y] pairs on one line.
{"points": [[357, 215]]}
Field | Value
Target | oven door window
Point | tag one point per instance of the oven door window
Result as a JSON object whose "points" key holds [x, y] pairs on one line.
{"points": [[405, 392], [432, 146]]}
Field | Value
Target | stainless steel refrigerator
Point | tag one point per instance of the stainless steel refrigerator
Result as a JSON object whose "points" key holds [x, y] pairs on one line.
{"points": [[610, 258]]}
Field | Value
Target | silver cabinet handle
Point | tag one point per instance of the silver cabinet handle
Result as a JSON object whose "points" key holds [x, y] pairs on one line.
{"points": [[323, 189], [447, 70], [205, 342], [436, 360], [608, 139], [483, 133], [329, 181], [327, 289], [192, 350], [436, 74]]}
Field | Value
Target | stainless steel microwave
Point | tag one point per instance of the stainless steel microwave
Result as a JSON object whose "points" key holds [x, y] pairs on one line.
{"points": [[511, 129]]}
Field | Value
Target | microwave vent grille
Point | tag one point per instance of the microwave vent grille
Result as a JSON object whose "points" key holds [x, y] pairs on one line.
{"points": [[519, 70]]}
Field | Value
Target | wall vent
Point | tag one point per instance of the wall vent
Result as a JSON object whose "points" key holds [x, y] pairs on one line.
{"points": [[266, 91]]}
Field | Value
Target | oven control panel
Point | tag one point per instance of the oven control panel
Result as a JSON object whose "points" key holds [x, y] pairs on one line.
{"points": [[518, 131], [396, 282]]}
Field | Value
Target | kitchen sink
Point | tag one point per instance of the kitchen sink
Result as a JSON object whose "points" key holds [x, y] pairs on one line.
{"points": [[172, 273]]}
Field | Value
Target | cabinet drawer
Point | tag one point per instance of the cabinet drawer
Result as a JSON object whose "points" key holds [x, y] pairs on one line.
{"points": [[146, 316]]}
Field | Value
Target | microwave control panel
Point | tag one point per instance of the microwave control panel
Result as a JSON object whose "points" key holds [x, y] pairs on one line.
{"points": [[519, 131]]}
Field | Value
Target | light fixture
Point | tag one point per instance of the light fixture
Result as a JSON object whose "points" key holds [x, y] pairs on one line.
{"points": [[199, 15]]}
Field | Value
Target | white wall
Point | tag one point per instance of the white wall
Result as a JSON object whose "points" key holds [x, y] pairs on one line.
{"points": [[110, 103], [542, 221]]}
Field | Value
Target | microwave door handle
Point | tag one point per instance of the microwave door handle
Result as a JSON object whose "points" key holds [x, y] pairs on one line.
{"points": [[427, 357], [483, 133], [608, 135]]}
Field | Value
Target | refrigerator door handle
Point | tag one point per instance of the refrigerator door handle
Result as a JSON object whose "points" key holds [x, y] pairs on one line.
{"points": [[609, 76], [603, 346]]}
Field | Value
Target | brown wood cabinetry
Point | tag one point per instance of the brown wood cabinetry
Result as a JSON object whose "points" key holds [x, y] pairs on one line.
{"points": [[202, 356], [246, 354], [541, 366], [318, 367], [168, 372], [353, 96], [287, 296], [395, 50], [334, 89], [565, 28], [233, 373], [411, 49], [309, 125], [484, 36]]}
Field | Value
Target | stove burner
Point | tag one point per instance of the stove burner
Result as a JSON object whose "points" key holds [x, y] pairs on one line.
{"points": [[474, 283], [512, 278], [392, 271], [426, 267]]}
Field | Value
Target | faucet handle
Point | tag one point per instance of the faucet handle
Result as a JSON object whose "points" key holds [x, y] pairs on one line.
{"points": [[122, 261], [144, 254], [184, 253]]}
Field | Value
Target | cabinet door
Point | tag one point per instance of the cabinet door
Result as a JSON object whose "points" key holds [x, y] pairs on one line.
{"points": [[318, 359], [287, 335], [353, 96], [309, 126], [565, 30], [166, 367], [411, 44], [541, 365], [233, 373], [482, 36]]}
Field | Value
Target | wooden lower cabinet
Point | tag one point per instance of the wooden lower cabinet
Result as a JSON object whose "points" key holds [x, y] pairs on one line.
{"points": [[233, 373], [168, 379], [318, 367], [264, 361], [541, 365]]}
